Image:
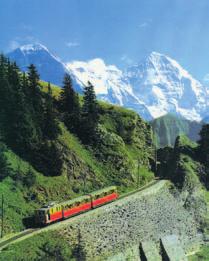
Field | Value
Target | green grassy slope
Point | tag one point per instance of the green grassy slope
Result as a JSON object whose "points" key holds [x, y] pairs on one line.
{"points": [[168, 127], [49, 246], [125, 146]]}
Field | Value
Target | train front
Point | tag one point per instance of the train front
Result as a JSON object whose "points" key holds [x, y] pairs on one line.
{"points": [[41, 216]]}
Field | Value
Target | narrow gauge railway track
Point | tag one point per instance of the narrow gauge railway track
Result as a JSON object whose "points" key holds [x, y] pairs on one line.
{"points": [[30, 231], [14, 238]]}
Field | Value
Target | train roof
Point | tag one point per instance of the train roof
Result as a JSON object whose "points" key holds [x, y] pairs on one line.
{"points": [[79, 199], [71, 201], [103, 190]]}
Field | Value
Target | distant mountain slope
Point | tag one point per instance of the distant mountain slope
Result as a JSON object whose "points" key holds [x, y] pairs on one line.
{"points": [[154, 87], [110, 83], [168, 127], [48, 65], [164, 86]]}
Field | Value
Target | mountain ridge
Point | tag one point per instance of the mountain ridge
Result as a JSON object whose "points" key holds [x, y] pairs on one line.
{"points": [[153, 87], [168, 127]]}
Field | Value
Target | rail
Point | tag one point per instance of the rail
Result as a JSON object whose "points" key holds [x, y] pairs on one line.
{"points": [[6, 242]]}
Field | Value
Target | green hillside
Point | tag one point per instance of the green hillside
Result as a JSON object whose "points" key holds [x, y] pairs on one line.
{"points": [[168, 127], [42, 160], [186, 166]]}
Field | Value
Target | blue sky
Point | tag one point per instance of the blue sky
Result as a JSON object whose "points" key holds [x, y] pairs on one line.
{"points": [[119, 31]]}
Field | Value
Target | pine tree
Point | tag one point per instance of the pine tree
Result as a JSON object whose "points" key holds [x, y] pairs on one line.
{"points": [[90, 115], [6, 96], [22, 135], [36, 100], [51, 128], [204, 144], [25, 86], [69, 104]]}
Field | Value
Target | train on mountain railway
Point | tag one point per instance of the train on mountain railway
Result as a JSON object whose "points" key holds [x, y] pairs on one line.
{"points": [[58, 211]]}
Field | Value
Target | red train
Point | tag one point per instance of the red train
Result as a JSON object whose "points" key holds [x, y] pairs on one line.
{"points": [[58, 211]]}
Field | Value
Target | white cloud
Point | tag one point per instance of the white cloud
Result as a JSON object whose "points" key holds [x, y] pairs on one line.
{"points": [[145, 23], [126, 59], [142, 25], [13, 45], [72, 44]]}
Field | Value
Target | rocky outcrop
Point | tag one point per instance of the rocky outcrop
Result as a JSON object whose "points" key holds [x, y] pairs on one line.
{"points": [[145, 216]]}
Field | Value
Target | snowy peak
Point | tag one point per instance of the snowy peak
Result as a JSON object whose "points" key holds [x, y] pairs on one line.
{"points": [[110, 83], [38, 49], [154, 87], [165, 87], [97, 72], [49, 66], [28, 48]]}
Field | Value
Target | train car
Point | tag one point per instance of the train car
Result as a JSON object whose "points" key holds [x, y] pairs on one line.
{"points": [[57, 211], [103, 196], [75, 206]]}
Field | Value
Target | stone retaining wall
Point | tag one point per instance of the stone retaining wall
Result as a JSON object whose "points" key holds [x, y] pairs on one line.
{"points": [[145, 216]]}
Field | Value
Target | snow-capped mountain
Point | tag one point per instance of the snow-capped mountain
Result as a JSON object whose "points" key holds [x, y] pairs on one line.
{"points": [[165, 87], [49, 66], [156, 86], [110, 84]]}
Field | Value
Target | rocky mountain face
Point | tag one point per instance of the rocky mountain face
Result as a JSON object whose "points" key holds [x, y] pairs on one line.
{"points": [[154, 87], [111, 84], [49, 66], [165, 87]]}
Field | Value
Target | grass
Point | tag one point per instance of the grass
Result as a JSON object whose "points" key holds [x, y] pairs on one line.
{"points": [[55, 89], [48, 246], [123, 143], [87, 156]]}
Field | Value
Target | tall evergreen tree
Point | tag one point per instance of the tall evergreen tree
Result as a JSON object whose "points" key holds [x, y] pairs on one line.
{"points": [[28, 119], [69, 104], [36, 99], [51, 128], [22, 135], [204, 144], [90, 115], [5, 96]]}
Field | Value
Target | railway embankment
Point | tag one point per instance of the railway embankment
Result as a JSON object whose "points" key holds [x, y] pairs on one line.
{"points": [[117, 230]]}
